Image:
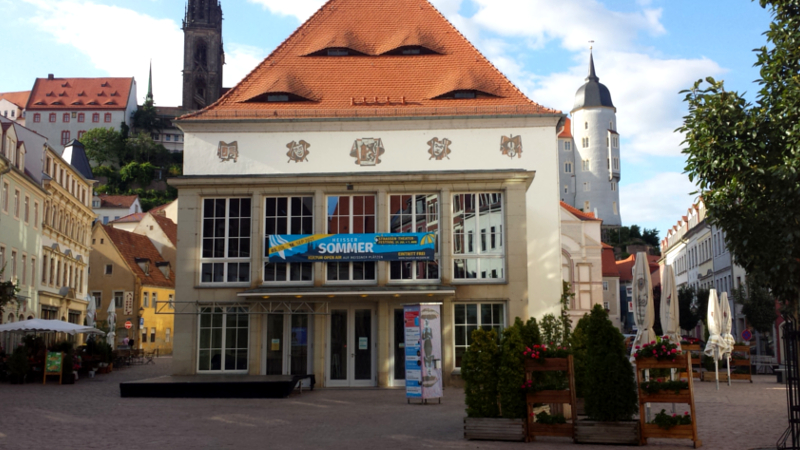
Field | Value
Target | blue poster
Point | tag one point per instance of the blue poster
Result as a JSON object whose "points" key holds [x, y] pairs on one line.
{"points": [[351, 247], [413, 360]]}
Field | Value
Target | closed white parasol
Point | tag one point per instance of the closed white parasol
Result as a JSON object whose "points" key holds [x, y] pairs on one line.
{"points": [[715, 346], [725, 331], [643, 311], [670, 313], [112, 324]]}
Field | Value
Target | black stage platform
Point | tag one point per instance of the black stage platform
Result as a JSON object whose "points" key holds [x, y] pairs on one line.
{"points": [[214, 386]]}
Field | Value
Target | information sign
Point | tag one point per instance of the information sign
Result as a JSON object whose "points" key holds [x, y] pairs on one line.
{"points": [[52, 365]]}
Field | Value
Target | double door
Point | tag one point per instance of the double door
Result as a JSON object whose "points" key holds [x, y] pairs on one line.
{"points": [[351, 355], [288, 344]]}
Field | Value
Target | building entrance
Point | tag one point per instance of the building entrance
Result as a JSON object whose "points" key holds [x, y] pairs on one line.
{"points": [[287, 345], [351, 355]]}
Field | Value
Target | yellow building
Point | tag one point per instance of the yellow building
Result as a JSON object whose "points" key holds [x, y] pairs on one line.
{"points": [[128, 270]]}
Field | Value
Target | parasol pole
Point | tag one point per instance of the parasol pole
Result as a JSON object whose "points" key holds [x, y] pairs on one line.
{"points": [[729, 369], [716, 364]]}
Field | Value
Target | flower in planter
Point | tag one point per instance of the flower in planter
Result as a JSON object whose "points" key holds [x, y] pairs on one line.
{"points": [[665, 421]]}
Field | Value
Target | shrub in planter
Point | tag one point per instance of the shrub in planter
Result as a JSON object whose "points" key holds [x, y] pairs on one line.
{"points": [[667, 386], [546, 419], [578, 344], [479, 372], [511, 373], [18, 364], [610, 385], [667, 421]]}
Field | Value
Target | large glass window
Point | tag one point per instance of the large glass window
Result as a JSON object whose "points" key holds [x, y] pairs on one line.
{"points": [[468, 317], [414, 214], [223, 339], [351, 215], [287, 215], [226, 240], [478, 246]]}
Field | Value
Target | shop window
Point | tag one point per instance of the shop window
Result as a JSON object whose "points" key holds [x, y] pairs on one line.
{"points": [[414, 214], [468, 317], [351, 215], [287, 215], [223, 343], [226, 240], [478, 247]]}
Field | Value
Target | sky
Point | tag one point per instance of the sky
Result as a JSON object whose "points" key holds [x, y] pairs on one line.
{"points": [[645, 52]]}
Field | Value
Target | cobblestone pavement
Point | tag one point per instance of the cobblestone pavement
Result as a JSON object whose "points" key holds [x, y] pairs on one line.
{"points": [[91, 414]]}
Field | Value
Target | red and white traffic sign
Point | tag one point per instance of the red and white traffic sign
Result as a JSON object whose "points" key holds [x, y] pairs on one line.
{"points": [[128, 324]]}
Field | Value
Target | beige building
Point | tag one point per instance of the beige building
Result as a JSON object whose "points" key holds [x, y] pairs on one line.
{"points": [[66, 229], [460, 154], [129, 272]]}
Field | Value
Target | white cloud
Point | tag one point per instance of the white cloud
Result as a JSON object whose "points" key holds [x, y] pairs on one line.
{"points": [[240, 60], [113, 39], [300, 9], [657, 202]]}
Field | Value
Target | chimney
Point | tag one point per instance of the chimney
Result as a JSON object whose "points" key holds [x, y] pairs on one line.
{"points": [[50, 76]]}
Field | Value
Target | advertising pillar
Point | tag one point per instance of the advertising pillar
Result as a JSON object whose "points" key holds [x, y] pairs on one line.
{"points": [[423, 344]]}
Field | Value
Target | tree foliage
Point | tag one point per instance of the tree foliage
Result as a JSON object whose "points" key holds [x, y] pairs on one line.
{"points": [[758, 305], [479, 372], [692, 306], [103, 146], [578, 343], [632, 235], [146, 118], [745, 157], [610, 391], [511, 373]]}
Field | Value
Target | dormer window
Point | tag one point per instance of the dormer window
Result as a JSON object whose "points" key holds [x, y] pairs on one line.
{"points": [[144, 264], [465, 94], [411, 50], [164, 268], [338, 52], [277, 97]]}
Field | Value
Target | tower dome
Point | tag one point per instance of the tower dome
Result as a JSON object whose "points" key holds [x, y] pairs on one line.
{"points": [[592, 93]]}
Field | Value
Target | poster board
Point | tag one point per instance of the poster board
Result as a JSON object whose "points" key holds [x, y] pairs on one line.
{"points": [[53, 363], [423, 349]]}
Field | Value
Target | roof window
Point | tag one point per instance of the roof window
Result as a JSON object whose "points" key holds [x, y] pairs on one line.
{"points": [[465, 94], [411, 50], [277, 97], [336, 51]]}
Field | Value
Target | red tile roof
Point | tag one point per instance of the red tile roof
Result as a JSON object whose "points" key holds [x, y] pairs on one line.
{"points": [[373, 83], [169, 227], [625, 266], [610, 268], [18, 98], [578, 213], [117, 201], [566, 131], [132, 246], [160, 208], [80, 93], [130, 218]]}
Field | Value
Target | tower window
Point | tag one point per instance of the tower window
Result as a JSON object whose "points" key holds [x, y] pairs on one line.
{"points": [[613, 186], [566, 189], [586, 165], [568, 167], [587, 187], [567, 145], [610, 125], [585, 125], [586, 206], [614, 207]]}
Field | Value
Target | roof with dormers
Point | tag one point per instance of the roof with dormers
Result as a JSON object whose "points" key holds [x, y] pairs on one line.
{"points": [[374, 82], [18, 98], [578, 213], [80, 93], [117, 201], [136, 246]]}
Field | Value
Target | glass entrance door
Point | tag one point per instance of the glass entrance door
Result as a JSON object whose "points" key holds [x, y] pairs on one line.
{"points": [[288, 339], [352, 348], [399, 348]]}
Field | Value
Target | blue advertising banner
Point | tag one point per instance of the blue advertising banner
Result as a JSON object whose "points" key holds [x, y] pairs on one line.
{"points": [[351, 247]]}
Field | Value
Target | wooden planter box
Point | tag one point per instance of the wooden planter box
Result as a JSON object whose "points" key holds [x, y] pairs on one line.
{"points": [[494, 429], [651, 430], [710, 376], [741, 376], [666, 397], [620, 433], [652, 363], [558, 430], [549, 397]]}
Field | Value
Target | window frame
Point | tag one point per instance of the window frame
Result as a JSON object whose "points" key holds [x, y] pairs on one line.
{"points": [[467, 337], [107, 118], [265, 239], [52, 118], [350, 216], [226, 260], [437, 254], [121, 299], [95, 117], [223, 338], [37, 117], [479, 254]]}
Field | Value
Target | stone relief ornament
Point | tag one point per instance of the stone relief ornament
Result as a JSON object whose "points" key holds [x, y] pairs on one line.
{"points": [[511, 146], [298, 151], [227, 152], [439, 150], [367, 151]]}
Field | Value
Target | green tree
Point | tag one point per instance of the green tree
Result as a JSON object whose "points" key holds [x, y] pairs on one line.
{"points": [[146, 118], [688, 318], [530, 333], [567, 296], [552, 330], [650, 236], [610, 391], [103, 146], [479, 372], [758, 305], [141, 147], [744, 157], [138, 172]]}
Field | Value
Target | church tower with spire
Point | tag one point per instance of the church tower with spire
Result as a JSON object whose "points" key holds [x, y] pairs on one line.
{"points": [[203, 55], [589, 152]]}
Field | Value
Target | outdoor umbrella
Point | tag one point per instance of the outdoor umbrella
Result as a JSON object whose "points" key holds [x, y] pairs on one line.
{"points": [[45, 326], [715, 345], [725, 331], [112, 326], [643, 311], [91, 311], [670, 313]]}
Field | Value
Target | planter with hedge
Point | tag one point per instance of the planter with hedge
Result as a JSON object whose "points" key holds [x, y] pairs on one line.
{"points": [[493, 375], [551, 381], [610, 387]]}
